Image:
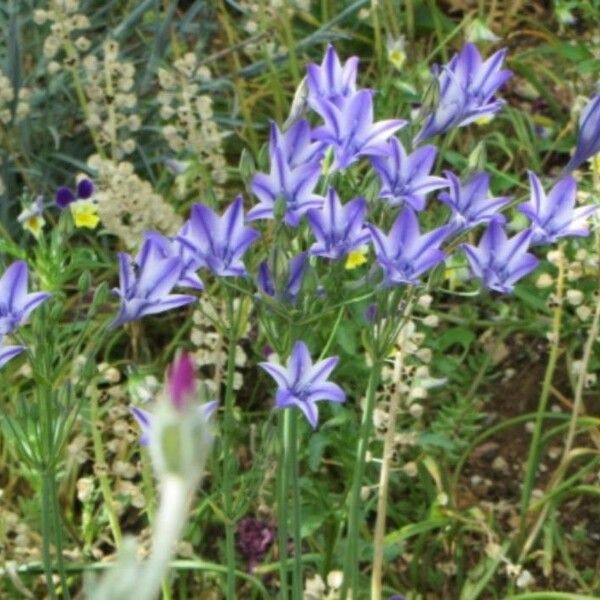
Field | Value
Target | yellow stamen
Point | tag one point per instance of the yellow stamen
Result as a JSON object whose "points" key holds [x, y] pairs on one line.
{"points": [[356, 258]]}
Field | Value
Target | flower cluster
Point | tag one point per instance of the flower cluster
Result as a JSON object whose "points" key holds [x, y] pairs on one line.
{"points": [[7, 96], [111, 108], [15, 306], [189, 125]]}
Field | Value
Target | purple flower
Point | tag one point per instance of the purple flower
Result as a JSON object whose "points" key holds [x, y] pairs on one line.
{"points": [[588, 139], [405, 178], [293, 187], [404, 254], [145, 419], [65, 196], [498, 261], [350, 128], [466, 87], [294, 274], [296, 144], [338, 229], [254, 537], [218, 242], [145, 283], [15, 303], [8, 353], [303, 384], [332, 81], [470, 203], [173, 247], [181, 380], [554, 216]]}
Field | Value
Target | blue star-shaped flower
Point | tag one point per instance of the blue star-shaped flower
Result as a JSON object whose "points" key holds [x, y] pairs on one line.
{"points": [[470, 203], [588, 137], [405, 178], [554, 216], [338, 228], [218, 242], [285, 286], [303, 384], [466, 87], [499, 261], [404, 254]]}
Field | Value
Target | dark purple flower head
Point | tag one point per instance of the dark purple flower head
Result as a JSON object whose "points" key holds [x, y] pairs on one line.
{"points": [[466, 89], [65, 196], [404, 254], [145, 283], [284, 286], [470, 203], [254, 537], [405, 178], [338, 228], [302, 383], [296, 143], [7, 353], [145, 419], [350, 129], [499, 261], [555, 216], [15, 303], [181, 381], [292, 187], [588, 137], [331, 81], [218, 242]]}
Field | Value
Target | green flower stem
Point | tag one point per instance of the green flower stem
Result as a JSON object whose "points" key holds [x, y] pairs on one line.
{"points": [[534, 448], [229, 466], [351, 568], [290, 442], [101, 472], [46, 476], [282, 508]]}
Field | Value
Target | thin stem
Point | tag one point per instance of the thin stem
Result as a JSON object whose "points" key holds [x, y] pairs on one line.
{"points": [[282, 513], [57, 525], [291, 443], [46, 532], [384, 478], [351, 566], [534, 449], [229, 466]]}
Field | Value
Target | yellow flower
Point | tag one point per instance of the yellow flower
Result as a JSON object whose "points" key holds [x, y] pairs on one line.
{"points": [[34, 224], [85, 214], [356, 258], [397, 57], [484, 120]]}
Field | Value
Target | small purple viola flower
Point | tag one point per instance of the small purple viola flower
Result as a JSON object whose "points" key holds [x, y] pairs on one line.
{"points": [[466, 87], [555, 216], [470, 203], [499, 261], [15, 303], [350, 129], [293, 187], [303, 384], [294, 275], [296, 143], [588, 138], [7, 353], [172, 247], [218, 242], [145, 283], [145, 419], [338, 228], [405, 179], [330, 80], [404, 254], [254, 537], [65, 196]]}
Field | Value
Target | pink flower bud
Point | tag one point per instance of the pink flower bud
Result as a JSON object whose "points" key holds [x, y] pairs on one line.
{"points": [[181, 381]]}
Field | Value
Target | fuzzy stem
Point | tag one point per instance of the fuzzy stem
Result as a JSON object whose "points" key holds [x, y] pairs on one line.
{"points": [[351, 566], [282, 506], [534, 448], [384, 479], [46, 532]]}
